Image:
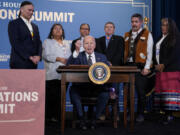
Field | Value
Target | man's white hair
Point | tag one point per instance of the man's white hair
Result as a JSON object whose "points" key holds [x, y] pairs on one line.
{"points": [[89, 36]]}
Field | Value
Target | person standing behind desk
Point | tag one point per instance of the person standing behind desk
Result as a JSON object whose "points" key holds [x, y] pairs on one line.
{"points": [[84, 31], [167, 64], [111, 45], [56, 51], [26, 46], [138, 52]]}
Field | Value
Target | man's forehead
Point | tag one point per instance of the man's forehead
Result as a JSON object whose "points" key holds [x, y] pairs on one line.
{"points": [[109, 24], [135, 18], [88, 39], [85, 25]]}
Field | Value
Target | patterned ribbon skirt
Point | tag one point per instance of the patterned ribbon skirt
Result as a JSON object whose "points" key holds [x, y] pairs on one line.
{"points": [[167, 91]]}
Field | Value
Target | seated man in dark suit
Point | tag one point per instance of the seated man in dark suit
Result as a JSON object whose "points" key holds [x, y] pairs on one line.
{"points": [[88, 57]]}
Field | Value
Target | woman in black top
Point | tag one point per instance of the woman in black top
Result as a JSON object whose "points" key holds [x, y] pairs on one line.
{"points": [[166, 58]]}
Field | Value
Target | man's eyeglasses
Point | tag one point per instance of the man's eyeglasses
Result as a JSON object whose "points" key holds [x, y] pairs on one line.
{"points": [[84, 29]]}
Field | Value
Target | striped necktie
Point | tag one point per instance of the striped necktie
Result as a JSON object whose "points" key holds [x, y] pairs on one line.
{"points": [[89, 60]]}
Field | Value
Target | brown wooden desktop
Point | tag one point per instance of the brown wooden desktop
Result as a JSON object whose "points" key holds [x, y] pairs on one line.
{"points": [[119, 74]]}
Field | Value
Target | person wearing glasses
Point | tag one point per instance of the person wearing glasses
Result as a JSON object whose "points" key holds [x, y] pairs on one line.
{"points": [[77, 44]]}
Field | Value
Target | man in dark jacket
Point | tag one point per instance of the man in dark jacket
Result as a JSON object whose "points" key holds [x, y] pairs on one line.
{"points": [[88, 57], [26, 46]]}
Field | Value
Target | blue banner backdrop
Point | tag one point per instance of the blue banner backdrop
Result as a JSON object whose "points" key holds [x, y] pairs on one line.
{"points": [[71, 13]]}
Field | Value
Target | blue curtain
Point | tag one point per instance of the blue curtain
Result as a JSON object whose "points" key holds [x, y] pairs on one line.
{"points": [[161, 9]]}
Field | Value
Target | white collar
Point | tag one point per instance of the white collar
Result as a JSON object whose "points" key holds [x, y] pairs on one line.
{"points": [[136, 33], [58, 42], [25, 20], [165, 35], [92, 54]]}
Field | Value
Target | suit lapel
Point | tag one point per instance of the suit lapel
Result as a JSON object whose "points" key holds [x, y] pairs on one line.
{"points": [[98, 59], [34, 28], [111, 46], [104, 44], [84, 59], [25, 27]]}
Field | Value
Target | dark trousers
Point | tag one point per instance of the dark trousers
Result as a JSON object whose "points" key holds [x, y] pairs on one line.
{"points": [[141, 83], [89, 90], [142, 86], [53, 99]]}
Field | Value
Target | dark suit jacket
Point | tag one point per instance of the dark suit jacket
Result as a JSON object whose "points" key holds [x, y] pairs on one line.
{"points": [[23, 45], [169, 55], [115, 50], [82, 59]]}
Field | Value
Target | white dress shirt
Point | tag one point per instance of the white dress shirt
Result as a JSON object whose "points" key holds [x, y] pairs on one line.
{"points": [[93, 58], [149, 47], [158, 45], [51, 50], [28, 23]]}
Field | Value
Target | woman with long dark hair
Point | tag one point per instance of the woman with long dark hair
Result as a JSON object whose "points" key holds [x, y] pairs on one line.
{"points": [[56, 51], [166, 58]]}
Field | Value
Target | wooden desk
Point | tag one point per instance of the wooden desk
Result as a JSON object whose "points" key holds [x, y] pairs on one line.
{"points": [[79, 73]]}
